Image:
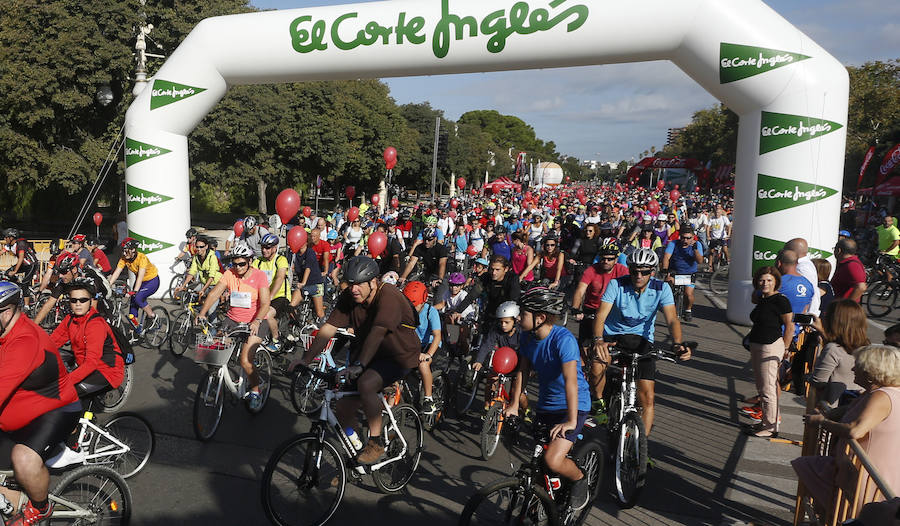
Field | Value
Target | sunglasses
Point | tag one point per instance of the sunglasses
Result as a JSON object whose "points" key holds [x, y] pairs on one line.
{"points": [[549, 245], [242, 264], [79, 300], [609, 258], [642, 272], [200, 246]]}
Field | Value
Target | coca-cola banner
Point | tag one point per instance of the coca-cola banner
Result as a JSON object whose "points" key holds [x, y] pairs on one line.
{"points": [[891, 160], [865, 165]]}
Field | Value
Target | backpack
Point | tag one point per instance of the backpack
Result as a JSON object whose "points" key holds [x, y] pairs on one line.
{"points": [[126, 350]]}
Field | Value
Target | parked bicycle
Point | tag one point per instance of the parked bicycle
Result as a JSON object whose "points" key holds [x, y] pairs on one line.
{"points": [[304, 480]]}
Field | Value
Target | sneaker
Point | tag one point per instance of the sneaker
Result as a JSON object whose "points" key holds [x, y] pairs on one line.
{"points": [[371, 453], [428, 406], [580, 494], [154, 323], [272, 346], [30, 515], [751, 409], [688, 316], [65, 457], [255, 401]]}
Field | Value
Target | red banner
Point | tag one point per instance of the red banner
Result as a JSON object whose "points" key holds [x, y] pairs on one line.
{"points": [[865, 165], [891, 159]]}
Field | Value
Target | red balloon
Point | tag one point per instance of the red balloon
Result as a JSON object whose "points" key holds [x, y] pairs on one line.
{"points": [[98, 218], [460, 183], [474, 192], [676, 186], [653, 207], [375, 199], [350, 192], [696, 188], [395, 202], [471, 250], [528, 196], [660, 184], [452, 214], [477, 210], [674, 195], [582, 199], [307, 211], [454, 203], [286, 204], [352, 214], [497, 189], [238, 227], [555, 203], [504, 360], [568, 178], [296, 238], [377, 244], [390, 157]]}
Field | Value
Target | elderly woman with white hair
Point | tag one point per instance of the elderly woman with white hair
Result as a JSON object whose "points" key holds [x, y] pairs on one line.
{"points": [[873, 419]]}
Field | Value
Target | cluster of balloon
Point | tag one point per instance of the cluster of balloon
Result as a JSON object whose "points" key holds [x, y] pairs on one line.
{"points": [[238, 227], [352, 214], [307, 211], [471, 251], [395, 202], [377, 244], [350, 192], [296, 238], [579, 193], [375, 199], [390, 157], [460, 183], [286, 205], [653, 206]]}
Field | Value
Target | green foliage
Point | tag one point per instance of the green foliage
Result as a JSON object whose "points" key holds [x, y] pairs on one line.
{"points": [[711, 136], [874, 117]]}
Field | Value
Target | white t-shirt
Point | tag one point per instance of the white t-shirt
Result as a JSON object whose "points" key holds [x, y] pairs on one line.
{"points": [[700, 223], [718, 227], [452, 302]]}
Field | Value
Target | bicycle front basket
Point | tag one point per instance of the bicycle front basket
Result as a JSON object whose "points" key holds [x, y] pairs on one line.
{"points": [[213, 350]]}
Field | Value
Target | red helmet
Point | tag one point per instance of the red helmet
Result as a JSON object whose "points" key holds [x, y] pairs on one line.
{"points": [[79, 238], [417, 292], [65, 262], [505, 360]]}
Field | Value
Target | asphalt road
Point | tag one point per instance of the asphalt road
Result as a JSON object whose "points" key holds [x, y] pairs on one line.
{"points": [[695, 444]]}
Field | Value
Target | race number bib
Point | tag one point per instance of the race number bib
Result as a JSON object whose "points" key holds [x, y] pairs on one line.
{"points": [[240, 300]]}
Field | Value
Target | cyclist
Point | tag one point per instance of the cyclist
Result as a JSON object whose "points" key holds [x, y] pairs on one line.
{"points": [[311, 280], [585, 303], [428, 329], [94, 246], [434, 260], [146, 280], [252, 235], [683, 257], [388, 347], [66, 270], [26, 259], [450, 316], [501, 285], [505, 333], [563, 397], [204, 266], [275, 267], [337, 255], [718, 233], [629, 306], [76, 246], [249, 303], [584, 250], [39, 407], [189, 247]]}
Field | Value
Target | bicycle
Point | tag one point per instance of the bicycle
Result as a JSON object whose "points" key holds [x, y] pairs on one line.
{"points": [[679, 282], [220, 354], [85, 495], [153, 336], [307, 390], [170, 296], [625, 427], [304, 480], [494, 418], [534, 495], [184, 331], [881, 297]]}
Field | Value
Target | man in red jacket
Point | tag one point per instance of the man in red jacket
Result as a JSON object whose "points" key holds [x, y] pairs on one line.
{"points": [[849, 280], [39, 407]]}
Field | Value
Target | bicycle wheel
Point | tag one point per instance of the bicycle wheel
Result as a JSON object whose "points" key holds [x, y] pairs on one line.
{"points": [[394, 476], [112, 400], [303, 482], [95, 491], [880, 300], [169, 295], [208, 405], [718, 281], [506, 501], [135, 433], [631, 460], [182, 336], [307, 393], [589, 455], [490, 431], [157, 335], [467, 389], [263, 363]]}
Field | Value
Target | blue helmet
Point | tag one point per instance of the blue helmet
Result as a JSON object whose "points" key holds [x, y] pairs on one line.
{"points": [[10, 294], [332, 234], [269, 240]]}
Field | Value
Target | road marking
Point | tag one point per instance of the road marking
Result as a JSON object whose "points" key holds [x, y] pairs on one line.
{"points": [[878, 325]]}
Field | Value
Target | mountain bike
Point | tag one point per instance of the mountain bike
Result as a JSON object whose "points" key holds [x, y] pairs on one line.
{"points": [[170, 296], [221, 354], [184, 331], [679, 282], [304, 480], [535, 496], [628, 440], [137, 333]]}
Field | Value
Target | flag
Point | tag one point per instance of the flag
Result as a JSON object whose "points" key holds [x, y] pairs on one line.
{"points": [[318, 181], [865, 165]]}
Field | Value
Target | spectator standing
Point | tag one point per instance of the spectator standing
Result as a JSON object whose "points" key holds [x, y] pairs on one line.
{"points": [[806, 268], [849, 280], [825, 291], [799, 290]]}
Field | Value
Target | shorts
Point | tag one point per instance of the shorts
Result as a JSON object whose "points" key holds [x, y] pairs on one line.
{"points": [[315, 291], [646, 368], [94, 384], [281, 305], [551, 419], [389, 371], [42, 434], [230, 324], [713, 243], [586, 329]]}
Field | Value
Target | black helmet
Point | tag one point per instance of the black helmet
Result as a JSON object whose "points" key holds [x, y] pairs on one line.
{"points": [[500, 229], [609, 249], [130, 243], [542, 299], [191, 232], [429, 233], [81, 284], [11, 232], [360, 269]]}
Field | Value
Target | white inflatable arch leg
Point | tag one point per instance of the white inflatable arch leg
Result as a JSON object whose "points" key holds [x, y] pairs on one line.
{"points": [[790, 94]]}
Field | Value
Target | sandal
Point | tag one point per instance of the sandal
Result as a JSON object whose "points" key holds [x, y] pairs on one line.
{"points": [[759, 431]]}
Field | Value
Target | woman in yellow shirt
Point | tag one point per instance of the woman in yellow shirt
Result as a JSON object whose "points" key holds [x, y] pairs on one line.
{"points": [[146, 280]]}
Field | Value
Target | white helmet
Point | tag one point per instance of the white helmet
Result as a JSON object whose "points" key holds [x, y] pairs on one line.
{"points": [[643, 257], [508, 309], [241, 250]]}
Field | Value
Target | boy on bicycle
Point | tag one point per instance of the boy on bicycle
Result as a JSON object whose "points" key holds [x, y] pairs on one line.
{"points": [[564, 399], [429, 332], [505, 333]]}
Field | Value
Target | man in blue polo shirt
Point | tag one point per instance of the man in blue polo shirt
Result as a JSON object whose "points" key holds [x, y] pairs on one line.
{"points": [[798, 289], [629, 307], [682, 257]]}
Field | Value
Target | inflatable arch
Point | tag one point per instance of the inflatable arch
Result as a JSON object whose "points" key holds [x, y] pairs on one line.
{"points": [[790, 94]]}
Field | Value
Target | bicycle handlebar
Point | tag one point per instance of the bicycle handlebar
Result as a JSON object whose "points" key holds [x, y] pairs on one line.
{"points": [[655, 352]]}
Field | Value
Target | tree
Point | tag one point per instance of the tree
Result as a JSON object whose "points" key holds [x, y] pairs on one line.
{"points": [[874, 117], [711, 136]]}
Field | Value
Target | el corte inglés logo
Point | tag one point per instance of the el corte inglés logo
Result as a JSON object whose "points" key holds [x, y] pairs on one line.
{"points": [[165, 92], [774, 194], [139, 198], [738, 62], [148, 245], [782, 129], [765, 251], [347, 32], [137, 151]]}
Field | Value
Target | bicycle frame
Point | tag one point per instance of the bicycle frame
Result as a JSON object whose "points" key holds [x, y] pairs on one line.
{"points": [[116, 446], [77, 511]]}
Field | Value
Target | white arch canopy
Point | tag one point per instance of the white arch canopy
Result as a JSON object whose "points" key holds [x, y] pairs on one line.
{"points": [[790, 94]]}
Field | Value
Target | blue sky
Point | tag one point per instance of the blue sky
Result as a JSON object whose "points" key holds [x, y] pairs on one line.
{"points": [[614, 112]]}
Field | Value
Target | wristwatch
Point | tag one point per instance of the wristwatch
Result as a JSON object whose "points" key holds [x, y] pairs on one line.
{"points": [[597, 339]]}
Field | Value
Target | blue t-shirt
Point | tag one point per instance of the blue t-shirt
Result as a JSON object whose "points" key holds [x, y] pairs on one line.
{"points": [[633, 313], [683, 260], [502, 249], [512, 226], [429, 320], [462, 243], [798, 290], [547, 356]]}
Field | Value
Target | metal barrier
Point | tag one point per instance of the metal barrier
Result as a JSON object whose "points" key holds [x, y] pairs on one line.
{"points": [[41, 247]]}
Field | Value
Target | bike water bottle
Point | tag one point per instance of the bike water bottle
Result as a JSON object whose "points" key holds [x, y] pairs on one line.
{"points": [[6, 507], [354, 438], [133, 319]]}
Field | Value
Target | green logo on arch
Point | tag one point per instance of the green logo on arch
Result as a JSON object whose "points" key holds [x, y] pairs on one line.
{"points": [[139, 198], [779, 130], [765, 251], [738, 62], [165, 92], [148, 244], [137, 151], [774, 194]]}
